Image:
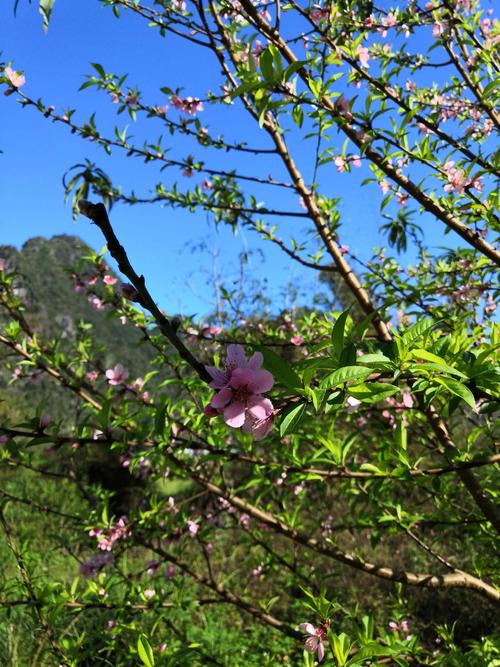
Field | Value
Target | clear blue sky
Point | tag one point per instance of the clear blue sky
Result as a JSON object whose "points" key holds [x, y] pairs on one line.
{"points": [[36, 153]]}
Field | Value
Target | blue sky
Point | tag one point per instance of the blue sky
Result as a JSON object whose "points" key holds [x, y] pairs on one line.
{"points": [[36, 153]]}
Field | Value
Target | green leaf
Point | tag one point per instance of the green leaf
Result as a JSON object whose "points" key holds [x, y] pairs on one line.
{"points": [[298, 115], [99, 69], [342, 375], [45, 7], [418, 329], [266, 65], [145, 651], [292, 418], [419, 353], [373, 391], [430, 366], [378, 361], [341, 647], [279, 368], [459, 390], [370, 650], [338, 333], [161, 410]]}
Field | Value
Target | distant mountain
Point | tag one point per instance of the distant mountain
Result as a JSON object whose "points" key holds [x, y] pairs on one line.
{"points": [[54, 309]]}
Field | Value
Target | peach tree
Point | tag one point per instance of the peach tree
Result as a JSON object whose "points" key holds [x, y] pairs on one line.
{"points": [[314, 485]]}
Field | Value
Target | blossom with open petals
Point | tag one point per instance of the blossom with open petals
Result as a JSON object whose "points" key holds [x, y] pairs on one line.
{"points": [[15, 79], [240, 384], [116, 375], [363, 55], [315, 641]]}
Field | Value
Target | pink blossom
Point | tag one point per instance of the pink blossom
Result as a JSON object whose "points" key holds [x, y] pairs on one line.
{"points": [[315, 641], [207, 185], [110, 624], [457, 180], [138, 384], [149, 593], [96, 302], [297, 340], [179, 5], [2, 264], [193, 527], [110, 280], [355, 160], [171, 572], [258, 47], [240, 386], [401, 198], [116, 375], [245, 520], [344, 249], [92, 376], [385, 186], [45, 420], [15, 79], [352, 404], [437, 29], [340, 163], [257, 571], [388, 21], [235, 359], [212, 330], [319, 14], [363, 56], [407, 399], [490, 306]]}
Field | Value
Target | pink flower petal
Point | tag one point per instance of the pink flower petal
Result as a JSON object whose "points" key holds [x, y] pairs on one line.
{"points": [[321, 651], [242, 377], [236, 356], [307, 627], [259, 407], [255, 361], [219, 377], [234, 414], [261, 382], [222, 398], [262, 428]]}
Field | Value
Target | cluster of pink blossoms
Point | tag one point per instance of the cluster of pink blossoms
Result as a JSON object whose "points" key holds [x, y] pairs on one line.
{"points": [[189, 105], [457, 179], [240, 386], [116, 532], [341, 163]]}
